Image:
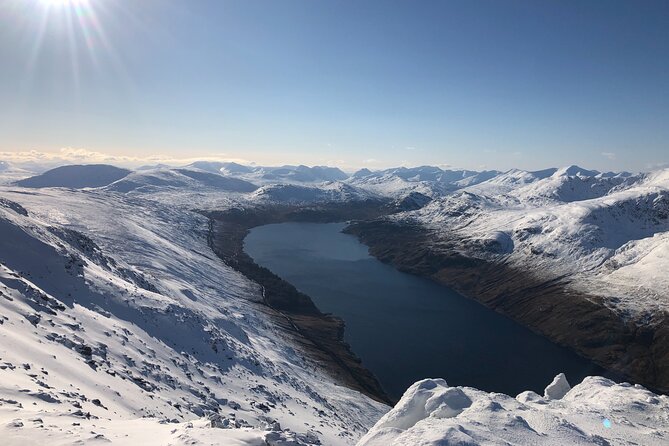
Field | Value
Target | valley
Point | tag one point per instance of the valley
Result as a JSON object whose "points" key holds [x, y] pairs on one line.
{"points": [[405, 327], [323, 333], [633, 351], [136, 299]]}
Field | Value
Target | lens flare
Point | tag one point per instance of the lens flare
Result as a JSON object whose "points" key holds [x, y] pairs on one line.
{"points": [[81, 32], [63, 2]]}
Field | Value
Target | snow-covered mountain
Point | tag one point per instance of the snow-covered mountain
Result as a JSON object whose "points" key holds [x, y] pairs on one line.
{"points": [[600, 229], [395, 182], [77, 177], [118, 322], [334, 191], [163, 179], [427, 180], [114, 308], [10, 173], [267, 174]]}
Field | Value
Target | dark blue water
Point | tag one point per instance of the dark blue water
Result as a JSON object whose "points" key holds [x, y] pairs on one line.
{"points": [[407, 328]]}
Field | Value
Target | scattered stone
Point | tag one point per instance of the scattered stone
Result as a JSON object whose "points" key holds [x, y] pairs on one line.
{"points": [[98, 403], [15, 423]]}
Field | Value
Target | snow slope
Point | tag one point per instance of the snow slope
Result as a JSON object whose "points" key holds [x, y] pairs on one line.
{"points": [[114, 305], [278, 174], [595, 412], [76, 176], [427, 180], [395, 182], [608, 232], [10, 173], [325, 192], [162, 179], [118, 324]]}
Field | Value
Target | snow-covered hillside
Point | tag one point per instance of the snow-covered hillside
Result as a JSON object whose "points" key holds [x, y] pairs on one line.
{"points": [[608, 232], [427, 180], [168, 179], [76, 176], [595, 412], [10, 173], [119, 323], [273, 174], [394, 183], [325, 192], [114, 308]]}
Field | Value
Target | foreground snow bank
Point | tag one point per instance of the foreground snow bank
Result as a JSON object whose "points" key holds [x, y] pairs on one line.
{"points": [[597, 411], [20, 428]]}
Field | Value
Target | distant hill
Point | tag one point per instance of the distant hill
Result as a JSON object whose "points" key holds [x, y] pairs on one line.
{"points": [[219, 181], [303, 174], [148, 180], [271, 174], [76, 176]]}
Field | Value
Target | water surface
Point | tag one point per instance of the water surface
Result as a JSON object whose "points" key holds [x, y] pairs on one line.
{"points": [[406, 328]]}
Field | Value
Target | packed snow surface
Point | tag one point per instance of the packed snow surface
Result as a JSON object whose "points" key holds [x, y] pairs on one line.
{"points": [[114, 308], [595, 412]]}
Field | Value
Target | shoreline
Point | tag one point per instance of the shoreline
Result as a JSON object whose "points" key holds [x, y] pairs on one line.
{"points": [[323, 334], [575, 320]]}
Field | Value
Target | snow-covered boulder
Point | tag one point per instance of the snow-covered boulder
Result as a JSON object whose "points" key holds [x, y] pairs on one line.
{"points": [[558, 388]]}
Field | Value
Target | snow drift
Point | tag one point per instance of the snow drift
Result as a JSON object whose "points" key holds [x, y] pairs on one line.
{"points": [[597, 411]]}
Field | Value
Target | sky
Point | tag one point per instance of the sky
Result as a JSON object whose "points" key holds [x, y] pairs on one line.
{"points": [[361, 83]]}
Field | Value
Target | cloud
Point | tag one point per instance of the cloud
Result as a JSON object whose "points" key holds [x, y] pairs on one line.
{"points": [[410, 148], [370, 161], [656, 166], [38, 161], [609, 155]]}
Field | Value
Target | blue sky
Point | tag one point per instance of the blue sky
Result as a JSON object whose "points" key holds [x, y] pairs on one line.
{"points": [[495, 84]]}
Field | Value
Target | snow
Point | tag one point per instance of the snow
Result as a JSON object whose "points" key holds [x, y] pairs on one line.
{"points": [[558, 388], [119, 308], [119, 324], [10, 173], [609, 233], [34, 427], [325, 192], [428, 180], [597, 411], [281, 174], [76, 176], [156, 180]]}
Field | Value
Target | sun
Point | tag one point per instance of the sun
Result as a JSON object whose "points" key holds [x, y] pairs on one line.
{"points": [[75, 24]]}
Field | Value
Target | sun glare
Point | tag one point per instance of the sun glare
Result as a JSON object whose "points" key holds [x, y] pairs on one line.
{"points": [[63, 2], [78, 25]]}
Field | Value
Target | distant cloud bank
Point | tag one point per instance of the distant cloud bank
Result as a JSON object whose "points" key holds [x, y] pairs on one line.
{"points": [[37, 161]]}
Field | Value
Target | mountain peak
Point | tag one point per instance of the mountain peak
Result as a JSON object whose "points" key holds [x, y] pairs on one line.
{"points": [[76, 176], [575, 170]]}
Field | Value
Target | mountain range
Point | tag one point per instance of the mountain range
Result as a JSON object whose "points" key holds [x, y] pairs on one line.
{"points": [[118, 322]]}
